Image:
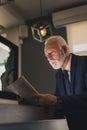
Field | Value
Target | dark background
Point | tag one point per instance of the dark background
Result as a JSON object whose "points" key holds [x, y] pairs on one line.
{"points": [[35, 67]]}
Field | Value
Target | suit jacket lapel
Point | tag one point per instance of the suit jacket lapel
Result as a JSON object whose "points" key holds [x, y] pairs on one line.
{"points": [[73, 72]]}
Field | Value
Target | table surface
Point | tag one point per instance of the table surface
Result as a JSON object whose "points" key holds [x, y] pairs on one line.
{"points": [[15, 116], [12, 112]]}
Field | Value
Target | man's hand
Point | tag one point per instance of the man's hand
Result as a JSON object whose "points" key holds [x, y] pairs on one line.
{"points": [[45, 99]]}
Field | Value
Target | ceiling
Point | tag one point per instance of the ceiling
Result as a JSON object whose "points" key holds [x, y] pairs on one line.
{"points": [[18, 11]]}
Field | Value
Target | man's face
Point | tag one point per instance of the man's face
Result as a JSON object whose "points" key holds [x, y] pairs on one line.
{"points": [[54, 55]]}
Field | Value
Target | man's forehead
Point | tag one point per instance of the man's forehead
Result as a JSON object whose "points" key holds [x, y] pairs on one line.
{"points": [[51, 45]]}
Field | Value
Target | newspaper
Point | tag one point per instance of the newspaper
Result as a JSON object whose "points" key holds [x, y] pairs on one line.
{"points": [[23, 88]]}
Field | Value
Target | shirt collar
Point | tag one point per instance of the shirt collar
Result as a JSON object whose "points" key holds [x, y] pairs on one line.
{"points": [[68, 65]]}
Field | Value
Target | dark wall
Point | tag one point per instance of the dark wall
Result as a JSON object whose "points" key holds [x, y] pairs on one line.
{"points": [[34, 64]]}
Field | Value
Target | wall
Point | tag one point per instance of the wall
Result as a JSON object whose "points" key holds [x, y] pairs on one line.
{"points": [[12, 35], [34, 64]]}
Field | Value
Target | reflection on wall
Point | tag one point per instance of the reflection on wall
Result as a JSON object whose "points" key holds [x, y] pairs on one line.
{"points": [[8, 76], [10, 64], [4, 53]]}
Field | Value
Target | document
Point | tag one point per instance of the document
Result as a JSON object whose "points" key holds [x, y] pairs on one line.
{"points": [[23, 88]]}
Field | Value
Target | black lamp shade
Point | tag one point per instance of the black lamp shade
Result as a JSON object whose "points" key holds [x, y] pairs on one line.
{"points": [[41, 31]]}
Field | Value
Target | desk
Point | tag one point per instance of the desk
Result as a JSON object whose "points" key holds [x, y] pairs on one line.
{"points": [[15, 117], [11, 113]]}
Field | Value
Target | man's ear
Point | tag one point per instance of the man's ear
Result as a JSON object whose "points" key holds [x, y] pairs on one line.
{"points": [[65, 49]]}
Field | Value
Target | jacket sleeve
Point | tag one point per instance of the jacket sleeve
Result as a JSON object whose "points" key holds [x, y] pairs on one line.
{"points": [[76, 102]]}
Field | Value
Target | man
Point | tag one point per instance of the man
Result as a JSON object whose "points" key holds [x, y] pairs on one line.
{"points": [[72, 96], [58, 55]]}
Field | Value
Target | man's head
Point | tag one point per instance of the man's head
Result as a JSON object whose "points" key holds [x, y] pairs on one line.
{"points": [[56, 51]]}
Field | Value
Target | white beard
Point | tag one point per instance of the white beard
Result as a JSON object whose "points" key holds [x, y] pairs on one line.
{"points": [[56, 64]]}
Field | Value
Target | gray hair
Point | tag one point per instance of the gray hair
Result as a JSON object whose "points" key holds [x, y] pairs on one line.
{"points": [[56, 39]]}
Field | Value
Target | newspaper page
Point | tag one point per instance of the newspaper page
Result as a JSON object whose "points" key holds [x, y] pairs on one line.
{"points": [[23, 88]]}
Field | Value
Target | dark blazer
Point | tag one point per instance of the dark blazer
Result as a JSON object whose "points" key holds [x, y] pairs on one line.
{"points": [[78, 94], [74, 104]]}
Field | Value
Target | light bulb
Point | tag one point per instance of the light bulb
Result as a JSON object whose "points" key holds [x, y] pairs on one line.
{"points": [[43, 32]]}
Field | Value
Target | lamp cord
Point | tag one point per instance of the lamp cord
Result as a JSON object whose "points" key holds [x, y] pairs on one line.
{"points": [[41, 7]]}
